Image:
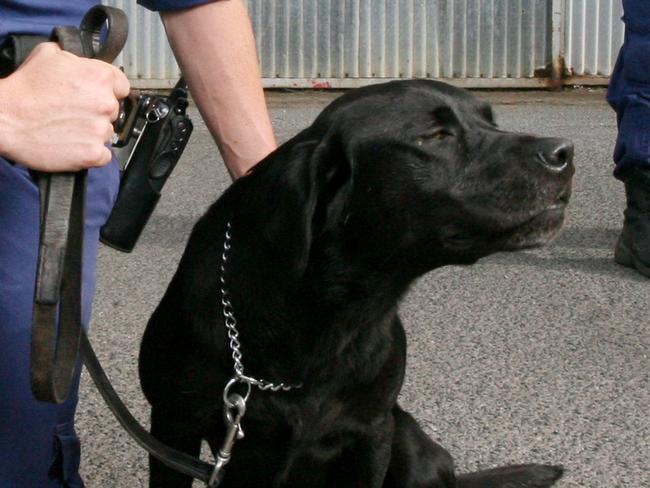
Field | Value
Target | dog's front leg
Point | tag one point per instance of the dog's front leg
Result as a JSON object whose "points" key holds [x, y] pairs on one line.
{"points": [[416, 460], [365, 463], [173, 430]]}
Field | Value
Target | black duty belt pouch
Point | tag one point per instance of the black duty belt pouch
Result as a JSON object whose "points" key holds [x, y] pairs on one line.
{"points": [[163, 129], [14, 50]]}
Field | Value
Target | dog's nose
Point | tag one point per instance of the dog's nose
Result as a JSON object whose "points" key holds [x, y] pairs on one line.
{"points": [[555, 154]]}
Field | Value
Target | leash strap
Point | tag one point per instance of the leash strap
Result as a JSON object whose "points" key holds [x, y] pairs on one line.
{"points": [[172, 458], [56, 319], [58, 285], [58, 294]]}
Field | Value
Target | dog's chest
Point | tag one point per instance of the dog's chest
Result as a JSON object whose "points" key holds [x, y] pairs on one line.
{"points": [[315, 432], [325, 419]]}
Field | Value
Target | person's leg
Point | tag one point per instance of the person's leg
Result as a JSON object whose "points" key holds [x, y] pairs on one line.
{"points": [[629, 95], [38, 445]]}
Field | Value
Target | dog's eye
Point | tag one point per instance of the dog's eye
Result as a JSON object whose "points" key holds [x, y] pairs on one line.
{"points": [[438, 133]]}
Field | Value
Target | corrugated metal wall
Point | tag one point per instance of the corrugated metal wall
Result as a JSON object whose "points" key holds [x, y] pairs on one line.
{"points": [[336, 39], [346, 43], [594, 33]]}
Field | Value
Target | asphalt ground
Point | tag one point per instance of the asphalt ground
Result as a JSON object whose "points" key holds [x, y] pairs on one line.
{"points": [[534, 356]]}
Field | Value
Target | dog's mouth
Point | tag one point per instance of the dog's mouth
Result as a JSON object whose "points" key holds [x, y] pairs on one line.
{"points": [[516, 228], [543, 226], [561, 202]]}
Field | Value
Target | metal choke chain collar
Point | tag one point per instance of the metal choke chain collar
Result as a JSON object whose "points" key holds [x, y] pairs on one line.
{"points": [[235, 404], [233, 335]]}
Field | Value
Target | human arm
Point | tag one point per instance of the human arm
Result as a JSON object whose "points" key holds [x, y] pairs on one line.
{"points": [[215, 47], [56, 110]]}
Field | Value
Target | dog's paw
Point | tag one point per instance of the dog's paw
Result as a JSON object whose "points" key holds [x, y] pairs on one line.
{"points": [[534, 476], [519, 476], [537, 476]]}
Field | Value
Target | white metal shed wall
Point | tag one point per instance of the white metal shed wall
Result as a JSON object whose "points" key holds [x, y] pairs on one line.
{"points": [[594, 34], [347, 43]]}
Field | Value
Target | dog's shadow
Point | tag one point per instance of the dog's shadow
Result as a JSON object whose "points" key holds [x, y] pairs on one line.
{"points": [[588, 250]]}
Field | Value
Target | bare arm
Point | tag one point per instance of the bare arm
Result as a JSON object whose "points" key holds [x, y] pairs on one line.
{"points": [[56, 110], [215, 48]]}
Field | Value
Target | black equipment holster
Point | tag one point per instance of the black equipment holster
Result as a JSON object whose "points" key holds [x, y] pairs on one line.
{"points": [[157, 130]]}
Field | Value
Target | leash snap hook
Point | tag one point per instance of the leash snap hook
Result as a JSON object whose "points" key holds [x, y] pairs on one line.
{"points": [[234, 409]]}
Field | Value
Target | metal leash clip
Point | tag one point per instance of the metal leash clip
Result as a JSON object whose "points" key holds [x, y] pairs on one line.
{"points": [[234, 408]]}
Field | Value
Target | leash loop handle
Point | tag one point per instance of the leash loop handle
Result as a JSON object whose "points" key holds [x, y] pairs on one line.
{"points": [[103, 32], [56, 318], [101, 35], [69, 39]]}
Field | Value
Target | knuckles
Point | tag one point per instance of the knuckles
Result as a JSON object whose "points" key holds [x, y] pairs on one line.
{"points": [[108, 105], [98, 129], [96, 155]]}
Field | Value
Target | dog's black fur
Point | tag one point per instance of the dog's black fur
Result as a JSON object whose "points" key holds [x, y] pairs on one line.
{"points": [[389, 182]]}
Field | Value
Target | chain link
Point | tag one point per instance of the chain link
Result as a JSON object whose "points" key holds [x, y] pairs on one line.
{"points": [[233, 333]]}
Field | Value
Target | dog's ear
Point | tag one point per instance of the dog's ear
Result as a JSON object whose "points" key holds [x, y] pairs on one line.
{"points": [[308, 184]]}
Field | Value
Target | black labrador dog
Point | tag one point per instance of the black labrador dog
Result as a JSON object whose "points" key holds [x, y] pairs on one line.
{"points": [[326, 235]]}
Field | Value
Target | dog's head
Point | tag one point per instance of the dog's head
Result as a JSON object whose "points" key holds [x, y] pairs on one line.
{"points": [[417, 173]]}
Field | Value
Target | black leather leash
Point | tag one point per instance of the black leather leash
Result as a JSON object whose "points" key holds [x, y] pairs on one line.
{"points": [[57, 332], [57, 296], [172, 458], [58, 285]]}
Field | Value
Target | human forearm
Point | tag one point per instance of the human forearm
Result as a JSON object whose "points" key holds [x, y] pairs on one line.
{"points": [[215, 48]]}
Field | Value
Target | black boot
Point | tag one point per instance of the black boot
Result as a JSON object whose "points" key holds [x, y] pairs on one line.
{"points": [[633, 246]]}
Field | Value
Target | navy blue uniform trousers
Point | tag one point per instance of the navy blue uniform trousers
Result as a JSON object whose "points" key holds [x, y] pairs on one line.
{"points": [[629, 89], [38, 444]]}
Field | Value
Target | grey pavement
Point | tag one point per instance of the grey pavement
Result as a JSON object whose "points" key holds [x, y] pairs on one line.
{"points": [[535, 356]]}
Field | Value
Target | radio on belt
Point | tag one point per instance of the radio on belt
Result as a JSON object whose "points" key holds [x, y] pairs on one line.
{"points": [[153, 132]]}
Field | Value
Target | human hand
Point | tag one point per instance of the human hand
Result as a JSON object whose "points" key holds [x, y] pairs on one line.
{"points": [[57, 109]]}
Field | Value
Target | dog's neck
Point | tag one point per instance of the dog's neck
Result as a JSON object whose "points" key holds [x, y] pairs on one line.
{"points": [[327, 300], [344, 309]]}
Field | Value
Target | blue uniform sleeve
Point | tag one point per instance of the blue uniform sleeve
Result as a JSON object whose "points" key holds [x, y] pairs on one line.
{"points": [[170, 4]]}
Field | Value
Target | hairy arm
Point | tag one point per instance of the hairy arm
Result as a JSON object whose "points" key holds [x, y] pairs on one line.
{"points": [[215, 47]]}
